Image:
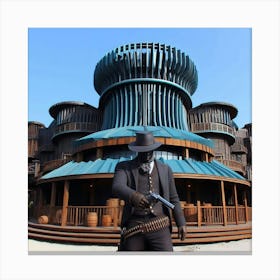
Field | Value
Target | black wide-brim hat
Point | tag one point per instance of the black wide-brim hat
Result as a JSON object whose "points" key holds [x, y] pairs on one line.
{"points": [[145, 142]]}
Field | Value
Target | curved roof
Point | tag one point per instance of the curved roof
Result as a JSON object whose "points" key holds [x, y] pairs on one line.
{"points": [[158, 131], [186, 166], [36, 123], [54, 109], [232, 109], [142, 58]]}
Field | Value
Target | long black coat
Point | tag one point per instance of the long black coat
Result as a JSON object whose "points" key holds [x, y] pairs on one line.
{"points": [[125, 183]]}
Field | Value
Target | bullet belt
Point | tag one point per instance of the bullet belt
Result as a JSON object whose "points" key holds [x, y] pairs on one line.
{"points": [[154, 225]]}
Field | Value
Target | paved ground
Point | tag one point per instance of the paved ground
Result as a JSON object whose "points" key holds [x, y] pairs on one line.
{"points": [[241, 246]]}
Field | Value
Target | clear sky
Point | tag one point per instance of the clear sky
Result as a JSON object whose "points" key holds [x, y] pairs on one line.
{"points": [[61, 63]]}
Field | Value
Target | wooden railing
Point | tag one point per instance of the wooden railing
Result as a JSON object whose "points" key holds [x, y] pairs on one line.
{"points": [[213, 215], [233, 164], [77, 215], [195, 215], [236, 147], [76, 126], [199, 127]]}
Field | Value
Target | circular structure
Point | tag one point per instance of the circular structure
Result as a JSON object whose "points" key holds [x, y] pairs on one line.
{"points": [[152, 83], [146, 87]]}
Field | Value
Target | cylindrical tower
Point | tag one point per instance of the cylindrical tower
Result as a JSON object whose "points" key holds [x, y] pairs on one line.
{"points": [[214, 120], [73, 120], [145, 84]]}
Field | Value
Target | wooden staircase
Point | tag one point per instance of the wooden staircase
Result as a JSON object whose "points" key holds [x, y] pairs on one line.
{"points": [[111, 235]]}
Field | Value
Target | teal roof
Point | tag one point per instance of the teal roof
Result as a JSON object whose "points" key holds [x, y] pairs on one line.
{"points": [[99, 166], [158, 131]]}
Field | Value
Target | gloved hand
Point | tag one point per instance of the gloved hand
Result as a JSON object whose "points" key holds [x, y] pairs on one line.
{"points": [[139, 200], [182, 230]]}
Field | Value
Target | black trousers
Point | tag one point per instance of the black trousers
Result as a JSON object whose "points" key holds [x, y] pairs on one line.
{"points": [[152, 241]]}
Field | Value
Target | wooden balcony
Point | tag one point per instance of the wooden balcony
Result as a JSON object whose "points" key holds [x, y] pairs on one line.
{"points": [[238, 148], [208, 127], [76, 127], [234, 165]]}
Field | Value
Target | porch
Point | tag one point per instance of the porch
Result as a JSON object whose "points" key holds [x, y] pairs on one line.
{"points": [[196, 215]]}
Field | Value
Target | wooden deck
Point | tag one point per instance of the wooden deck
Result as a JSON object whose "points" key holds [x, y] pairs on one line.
{"points": [[111, 235]]}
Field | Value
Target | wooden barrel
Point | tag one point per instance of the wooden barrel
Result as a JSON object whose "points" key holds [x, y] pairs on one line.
{"points": [[43, 219], [114, 203], [190, 212], [92, 219], [106, 220]]}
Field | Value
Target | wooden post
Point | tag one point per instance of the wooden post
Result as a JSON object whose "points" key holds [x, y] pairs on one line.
{"points": [[188, 193], [79, 157], [236, 203], [224, 203], [246, 207], [186, 153], [199, 217], [65, 204], [52, 203], [99, 153], [115, 217]]}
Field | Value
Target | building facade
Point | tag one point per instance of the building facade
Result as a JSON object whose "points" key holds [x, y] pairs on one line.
{"points": [[143, 86]]}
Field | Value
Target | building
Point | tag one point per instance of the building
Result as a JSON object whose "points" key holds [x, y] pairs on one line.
{"points": [[143, 86]]}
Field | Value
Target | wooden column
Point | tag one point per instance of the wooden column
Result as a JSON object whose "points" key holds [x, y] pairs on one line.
{"points": [[79, 157], [236, 203], [99, 153], [65, 203], [40, 202], [246, 207], [186, 155], [199, 216], [224, 203], [52, 203], [188, 193]]}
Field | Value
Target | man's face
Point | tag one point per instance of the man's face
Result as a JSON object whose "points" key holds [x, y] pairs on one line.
{"points": [[146, 156]]}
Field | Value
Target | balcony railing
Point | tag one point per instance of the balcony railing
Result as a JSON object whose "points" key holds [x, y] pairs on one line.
{"points": [[238, 148], [76, 126], [200, 127], [234, 165]]}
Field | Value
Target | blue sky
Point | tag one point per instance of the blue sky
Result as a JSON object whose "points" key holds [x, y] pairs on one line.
{"points": [[61, 63]]}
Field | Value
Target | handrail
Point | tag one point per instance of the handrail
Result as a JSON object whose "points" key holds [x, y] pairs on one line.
{"points": [[233, 164], [195, 215], [195, 127], [79, 126]]}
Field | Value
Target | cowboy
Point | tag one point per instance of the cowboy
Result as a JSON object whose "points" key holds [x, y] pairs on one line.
{"points": [[146, 224]]}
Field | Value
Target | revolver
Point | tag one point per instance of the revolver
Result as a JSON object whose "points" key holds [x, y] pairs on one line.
{"points": [[156, 197]]}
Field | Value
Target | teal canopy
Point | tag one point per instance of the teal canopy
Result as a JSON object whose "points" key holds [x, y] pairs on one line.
{"points": [[99, 166], [158, 131]]}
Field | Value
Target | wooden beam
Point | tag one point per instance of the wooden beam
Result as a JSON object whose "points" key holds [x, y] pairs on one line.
{"points": [[224, 203], [199, 216], [236, 203], [65, 203]]}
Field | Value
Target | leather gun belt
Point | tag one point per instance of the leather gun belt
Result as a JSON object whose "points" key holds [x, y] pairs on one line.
{"points": [[153, 225]]}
